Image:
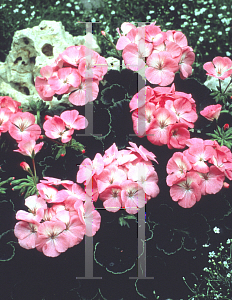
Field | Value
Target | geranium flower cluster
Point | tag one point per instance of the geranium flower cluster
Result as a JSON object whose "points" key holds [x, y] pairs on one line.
{"points": [[57, 218], [199, 170], [163, 115], [74, 71], [63, 126], [162, 54], [121, 178], [20, 125]]}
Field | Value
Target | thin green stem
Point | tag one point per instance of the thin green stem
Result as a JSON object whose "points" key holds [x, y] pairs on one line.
{"points": [[220, 85], [228, 85], [34, 177], [38, 117]]}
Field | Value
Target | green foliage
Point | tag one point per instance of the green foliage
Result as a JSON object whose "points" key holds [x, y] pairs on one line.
{"points": [[26, 186], [3, 189], [123, 220], [222, 137]]}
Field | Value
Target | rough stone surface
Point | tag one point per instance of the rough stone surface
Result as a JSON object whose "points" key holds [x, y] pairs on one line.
{"points": [[213, 82], [31, 49]]}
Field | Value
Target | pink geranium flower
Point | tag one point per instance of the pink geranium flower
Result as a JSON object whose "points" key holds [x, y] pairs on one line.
{"points": [[50, 239], [110, 175], [26, 234], [36, 205], [93, 66], [8, 102], [64, 79], [89, 216], [5, 114], [221, 67], [80, 97], [133, 55], [89, 168], [161, 68], [177, 168], [133, 197], [187, 191], [212, 182], [73, 120], [186, 61], [111, 198], [177, 136], [75, 229], [146, 178], [158, 132], [56, 128], [23, 127], [211, 112], [73, 54], [29, 148], [198, 155]]}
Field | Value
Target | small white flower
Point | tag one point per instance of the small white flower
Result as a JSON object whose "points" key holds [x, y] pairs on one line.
{"points": [[201, 39], [148, 17], [205, 245], [69, 4], [223, 7], [228, 241], [225, 264], [228, 275], [211, 254], [219, 33], [20, 5], [15, 10], [210, 15], [216, 229], [172, 7], [113, 12], [23, 12]]}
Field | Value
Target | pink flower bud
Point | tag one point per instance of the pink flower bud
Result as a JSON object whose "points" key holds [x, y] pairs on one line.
{"points": [[226, 185], [62, 154], [24, 166], [83, 151], [103, 33], [226, 126]]}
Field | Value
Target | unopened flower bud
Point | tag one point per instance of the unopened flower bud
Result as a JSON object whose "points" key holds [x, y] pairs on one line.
{"points": [[41, 137], [24, 166], [83, 151], [226, 126], [103, 33], [226, 185], [47, 117], [62, 154]]}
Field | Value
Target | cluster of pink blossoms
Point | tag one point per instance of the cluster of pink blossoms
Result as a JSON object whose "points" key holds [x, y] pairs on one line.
{"points": [[57, 219], [199, 170], [164, 115], [162, 54], [74, 71], [20, 125], [121, 178]]}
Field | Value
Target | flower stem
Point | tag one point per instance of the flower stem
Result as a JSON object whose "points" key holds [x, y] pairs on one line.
{"points": [[228, 85]]}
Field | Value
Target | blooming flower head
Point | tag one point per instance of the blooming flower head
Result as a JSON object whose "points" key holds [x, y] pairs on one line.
{"points": [[221, 67], [211, 112], [23, 127]]}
